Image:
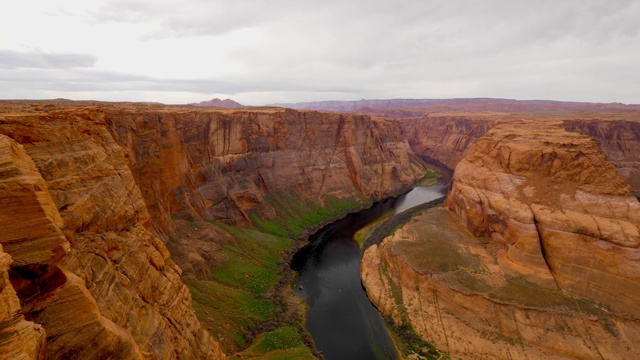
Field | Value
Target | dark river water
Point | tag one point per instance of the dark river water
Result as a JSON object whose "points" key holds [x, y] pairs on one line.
{"points": [[341, 319]]}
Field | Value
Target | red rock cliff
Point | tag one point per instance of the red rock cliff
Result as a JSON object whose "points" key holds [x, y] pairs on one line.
{"points": [[219, 165], [447, 137], [85, 264], [549, 268]]}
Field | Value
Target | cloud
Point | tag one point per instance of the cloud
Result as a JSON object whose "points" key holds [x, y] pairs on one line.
{"points": [[312, 50], [102, 81], [10, 59]]}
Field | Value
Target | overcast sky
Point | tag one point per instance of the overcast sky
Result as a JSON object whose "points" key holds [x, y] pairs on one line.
{"points": [[259, 52]]}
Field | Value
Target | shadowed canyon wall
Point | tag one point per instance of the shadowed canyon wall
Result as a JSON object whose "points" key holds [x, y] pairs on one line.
{"points": [[536, 255], [88, 190]]}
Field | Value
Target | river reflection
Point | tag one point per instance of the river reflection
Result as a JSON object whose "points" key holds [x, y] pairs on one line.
{"points": [[341, 319]]}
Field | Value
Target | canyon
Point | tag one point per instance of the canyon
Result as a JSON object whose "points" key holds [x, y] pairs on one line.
{"points": [[91, 190], [443, 129], [534, 256], [164, 232]]}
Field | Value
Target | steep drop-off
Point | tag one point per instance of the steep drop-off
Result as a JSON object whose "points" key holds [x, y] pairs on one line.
{"points": [[220, 165], [116, 288], [107, 182], [545, 264]]}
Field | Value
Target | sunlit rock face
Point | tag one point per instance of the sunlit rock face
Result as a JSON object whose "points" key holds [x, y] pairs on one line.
{"points": [[535, 256]]}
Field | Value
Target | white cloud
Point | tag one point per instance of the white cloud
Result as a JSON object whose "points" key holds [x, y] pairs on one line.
{"points": [[283, 50]]}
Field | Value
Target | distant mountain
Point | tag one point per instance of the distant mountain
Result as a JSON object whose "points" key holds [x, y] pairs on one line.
{"points": [[226, 103], [463, 104]]}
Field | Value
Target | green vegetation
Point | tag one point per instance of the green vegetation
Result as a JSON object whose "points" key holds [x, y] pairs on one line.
{"points": [[296, 215], [363, 234], [234, 299], [430, 178], [247, 302], [283, 338], [228, 311], [405, 338], [252, 260]]}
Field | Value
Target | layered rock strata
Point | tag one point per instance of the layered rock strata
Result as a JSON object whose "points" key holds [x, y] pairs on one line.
{"points": [[560, 210], [114, 292], [220, 165], [102, 183], [19, 339], [545, 264], [446, 138]]}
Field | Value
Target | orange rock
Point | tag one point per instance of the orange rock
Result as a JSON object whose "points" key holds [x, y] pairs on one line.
{"points": [[115, 174], [544, 265], [220, 164], [118, 275], [558, 207], [29, 220], [19, 339], [453, 292], [446, 137]]}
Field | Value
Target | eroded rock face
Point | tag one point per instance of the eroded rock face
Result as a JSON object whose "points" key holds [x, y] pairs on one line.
{"points": [[117, 288], [451, 290], [30, 226], [557, 208], [446, 138], [19, 339], [536, 256], [220, 165]]}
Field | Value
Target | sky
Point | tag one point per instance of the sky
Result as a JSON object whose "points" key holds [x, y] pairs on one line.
{"points": [[261, 52]]}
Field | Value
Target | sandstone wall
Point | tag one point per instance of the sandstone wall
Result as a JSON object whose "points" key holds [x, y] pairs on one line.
{"points": [[447, 137], [560, 210], [470, 309], [115, 293], [220, 165]]}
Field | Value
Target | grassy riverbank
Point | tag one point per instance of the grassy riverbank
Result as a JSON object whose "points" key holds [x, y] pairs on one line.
{"points": [[244, 296]]}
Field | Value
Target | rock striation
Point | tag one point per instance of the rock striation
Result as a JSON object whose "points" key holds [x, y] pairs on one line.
{"points": [[557, 207], [536, 256], [222, 164], [446, 137], [88, 191], [87, 267], [19, 339]]}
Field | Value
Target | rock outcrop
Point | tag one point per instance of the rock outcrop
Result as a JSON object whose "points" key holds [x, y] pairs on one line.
{"points": [[446, 138], [557, 207], [115, 287], [19, 339], [545, 264]]}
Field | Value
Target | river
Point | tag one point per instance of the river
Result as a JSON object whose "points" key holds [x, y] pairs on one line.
{"points": [[341, 319]]}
